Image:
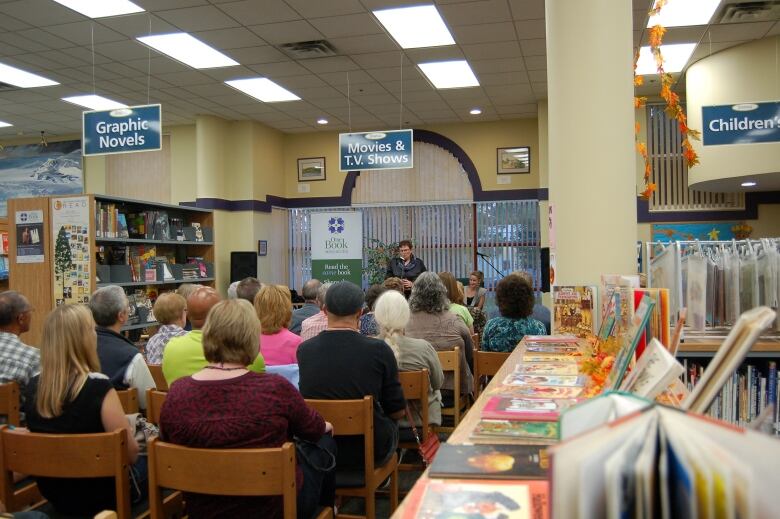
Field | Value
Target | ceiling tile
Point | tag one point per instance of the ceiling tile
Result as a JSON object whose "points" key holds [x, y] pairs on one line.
{"points": [[409, 85], [506, 49], [280, 69], [775, 30], [536, 76], [330, 103], [134, 26], [256, 55], [422, 95], [363, 89], [82, 33], [536, 47], [203, 18], [162, 5], [319, 9], [40, 13], [26, 44], [691, 34], [503, 78], [530, 29], [375, 60], [319, 93], [158, 64], [10, 24], [186, 78], [367, 43], [44, 38], [490, 66], [518, 89], [227, 73], [348, 25], [211, 90], [41, 62], [304, 81], [287, 32], [483, 33], [334, 64], [255, 12], [527, 9], [124, 50], [10, 50], [448, 53], [536, 62], [394, 74], [234, 38], [737, 31], [470, 13]]}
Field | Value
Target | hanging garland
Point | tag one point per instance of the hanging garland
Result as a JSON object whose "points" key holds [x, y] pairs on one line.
{"points": [[673, 108]]}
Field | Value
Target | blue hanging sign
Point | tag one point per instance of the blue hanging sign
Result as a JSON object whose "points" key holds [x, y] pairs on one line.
{"points": [[122, 130], [743, 123], [376, 150]]}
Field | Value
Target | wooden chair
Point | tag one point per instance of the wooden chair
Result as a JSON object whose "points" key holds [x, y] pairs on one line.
{"points": [[486, 364], [106, 514], [415, 385], [356, 418], [65, 456], [221, 472], [129, 399], [475, 341], [9, 403], [450, 361], [154, 402], [157, 375]]}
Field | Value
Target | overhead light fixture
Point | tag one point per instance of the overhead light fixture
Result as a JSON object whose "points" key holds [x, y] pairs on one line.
{"points": [[475, 111], [4, 124], [322, 120], [449, 74], [94, 102], [21, 78], [749, 184], [675, 58], [263, 89], [101, 8], [187, 49], [678, 13], [415, 27]]}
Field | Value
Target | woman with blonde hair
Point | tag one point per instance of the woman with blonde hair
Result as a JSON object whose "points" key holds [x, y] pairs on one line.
{"points": [[273, 307], [455, 295], [71, 396], [391, 312]]}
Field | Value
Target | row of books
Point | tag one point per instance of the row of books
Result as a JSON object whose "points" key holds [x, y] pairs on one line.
{"points": [[3, 267], [112, 221], [147, 263]]}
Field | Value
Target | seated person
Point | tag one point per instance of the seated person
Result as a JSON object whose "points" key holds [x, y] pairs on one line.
{"points": [[248, 288], [309, 308], [455, 296], [278, 345], [341, 364], [120, 360], [515, 300], [312, 326], [224, 405], [475, 293], [185, 290], [183, 355], [394, 284], [18, 361], [367, 322], [170, 310], [541, 313], [392, 316], [71, 396]]}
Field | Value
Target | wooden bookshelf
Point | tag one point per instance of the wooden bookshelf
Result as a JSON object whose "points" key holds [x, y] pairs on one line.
{"points": [[707, 348]]}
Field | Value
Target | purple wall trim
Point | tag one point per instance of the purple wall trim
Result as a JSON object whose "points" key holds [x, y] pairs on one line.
{"points": [[752, 200]]}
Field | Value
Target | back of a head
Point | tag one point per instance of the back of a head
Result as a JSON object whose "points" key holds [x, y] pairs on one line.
{"points": [[273, 307], [322, 293], [391, 313], [372, 294], [231, 291], [344, 299], [230, 333], [522, 274], [428, 294], [12, 304], [451, 284], [394, 284], [514, 297], [248, 288], [106, 303], [186, 289], [310, 288], [198, 305], [169, 307]]}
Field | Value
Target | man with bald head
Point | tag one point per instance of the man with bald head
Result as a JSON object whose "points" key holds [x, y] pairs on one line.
{"points": [[184, 355]]}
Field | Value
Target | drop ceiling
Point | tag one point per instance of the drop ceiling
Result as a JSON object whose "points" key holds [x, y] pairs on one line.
{"points": [[503, 40]]}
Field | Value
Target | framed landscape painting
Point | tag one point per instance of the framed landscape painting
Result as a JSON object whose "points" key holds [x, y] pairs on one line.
{"points": [[311, 169], [513, 160]]}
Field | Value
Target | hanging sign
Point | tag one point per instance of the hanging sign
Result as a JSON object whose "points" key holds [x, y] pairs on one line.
{"points": [[376, 150], [744, 123], [337, 247], [122, 130]]}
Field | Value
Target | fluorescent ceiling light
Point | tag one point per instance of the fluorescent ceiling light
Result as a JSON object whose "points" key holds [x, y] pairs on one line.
{"points": [[678, 13], [263, 89], [94, 102], [748, 184], [101, 8], [415, 27], [18, 77], [4, 124], [322, 121], [475, 111], [675, 58], [449, 74], [187, 49]]}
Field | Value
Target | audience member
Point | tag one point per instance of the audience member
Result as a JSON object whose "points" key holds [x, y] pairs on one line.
{"points": [[455, 297], [475, 293], [431, 320], [232, 290], [368, 324], [341, 364], [309, 308], [278, 345], [224, 405], [248, 288], [18, 361], [183, 355], [394, 284], [541, 313], [71, 396], [312, 326], [515, 300], [170, 310], [392, 316], [120, 360], [185, 290]]}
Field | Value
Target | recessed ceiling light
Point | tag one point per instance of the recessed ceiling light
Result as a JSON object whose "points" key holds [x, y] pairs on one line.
{"points": [[449, 74], [475, 111], [22, 79], [263, 89], [101, 8], [94, 102], [749, 184], [188, 49], [678, 13], [322, 120], [415, 27], [4, 124], [675, 57]]}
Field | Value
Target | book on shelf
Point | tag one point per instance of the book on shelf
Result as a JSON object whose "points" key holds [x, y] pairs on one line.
{"points": [[3, 242], [501, 407], [597, 411], [628, 339], [490, 461], [544, 432], [621, 285], [659, 322], [653, 372], [574, 310]]}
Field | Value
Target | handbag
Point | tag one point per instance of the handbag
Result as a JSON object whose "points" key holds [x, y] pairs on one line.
{"points": [[427, 448]]}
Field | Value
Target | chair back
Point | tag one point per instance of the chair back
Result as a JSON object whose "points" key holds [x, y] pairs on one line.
{"points": [[415, 385], [154, 402], [350, 418], [9, 403], [223, 472], [475, 341], [157, 375], [129, 399], [450, 361], [66, 456], [487, 364]]}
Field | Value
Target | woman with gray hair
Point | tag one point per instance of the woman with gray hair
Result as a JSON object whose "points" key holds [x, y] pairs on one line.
{"points": [[431, 320], [391, 312]]}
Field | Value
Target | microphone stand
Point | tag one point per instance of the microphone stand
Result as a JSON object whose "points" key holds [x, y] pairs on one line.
{"points": [[486, 259]]}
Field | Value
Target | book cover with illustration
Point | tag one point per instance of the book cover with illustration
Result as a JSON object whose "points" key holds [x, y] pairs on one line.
{"points": [[524, 409], [525, 379], [538, 391], [553, 348], [574, 310], [490, 461], [550, 357], [548, 368], [547, 431]]}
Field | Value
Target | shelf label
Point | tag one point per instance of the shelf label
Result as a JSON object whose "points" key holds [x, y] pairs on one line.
{"points": [[376, 150], [122, 130]]}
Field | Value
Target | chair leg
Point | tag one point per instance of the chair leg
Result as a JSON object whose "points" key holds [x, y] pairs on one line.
{"points": [[394, 490], [371, 504]]}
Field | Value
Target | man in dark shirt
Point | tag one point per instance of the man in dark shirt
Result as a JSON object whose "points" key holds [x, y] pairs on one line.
{"points": [[341, 364], [311, 306]]}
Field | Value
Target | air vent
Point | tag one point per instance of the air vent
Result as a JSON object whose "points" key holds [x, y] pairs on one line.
{"points": [[5, 87], [308, 49], [742, 12]]}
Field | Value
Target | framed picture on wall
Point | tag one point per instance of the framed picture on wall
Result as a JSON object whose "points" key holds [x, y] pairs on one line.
{"points": [[262, 247], [311, 169], [513, 160]]}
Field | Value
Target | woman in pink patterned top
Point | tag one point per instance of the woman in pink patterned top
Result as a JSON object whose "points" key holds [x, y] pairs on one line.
{"points": [[278, 345], [225, 406]]}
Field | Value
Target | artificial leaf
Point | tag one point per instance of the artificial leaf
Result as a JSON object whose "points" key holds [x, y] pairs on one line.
{"points": [[648, 192]]}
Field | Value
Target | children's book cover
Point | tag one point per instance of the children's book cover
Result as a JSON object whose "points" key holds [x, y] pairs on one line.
{"points": [[548, 368], [521, 379], [538, 391], [490, 461], [524, 409], [516, 429], [574, 310]]}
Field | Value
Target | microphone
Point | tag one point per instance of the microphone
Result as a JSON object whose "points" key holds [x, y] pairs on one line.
{"points": [[482, 255]]}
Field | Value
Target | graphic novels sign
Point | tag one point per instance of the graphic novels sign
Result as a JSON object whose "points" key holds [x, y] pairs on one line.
{"points": [[337, 246], [122, 130], [376, 150]]}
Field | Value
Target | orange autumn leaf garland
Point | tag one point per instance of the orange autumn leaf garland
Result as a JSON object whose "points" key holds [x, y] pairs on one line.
{"points": [[673, 108]]}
